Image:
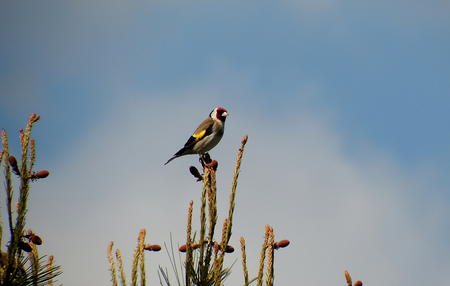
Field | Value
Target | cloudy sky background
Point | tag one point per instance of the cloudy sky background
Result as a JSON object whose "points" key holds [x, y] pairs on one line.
{"points": [[346, 104]]}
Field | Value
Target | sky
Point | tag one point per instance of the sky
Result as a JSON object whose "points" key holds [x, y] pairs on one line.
{"points": [[345, 104]]}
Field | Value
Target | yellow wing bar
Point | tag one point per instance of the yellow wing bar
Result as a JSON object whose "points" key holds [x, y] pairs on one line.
{"points": [[199, 135]]}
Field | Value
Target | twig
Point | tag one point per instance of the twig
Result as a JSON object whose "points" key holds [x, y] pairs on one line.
{"points": [[189, 260], [234, 186], [112, 266], [263, 256], [122, 272], [50, 269], [270, 257], [244, 261]]}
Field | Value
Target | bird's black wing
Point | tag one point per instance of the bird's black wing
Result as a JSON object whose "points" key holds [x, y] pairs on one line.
{"points": [[203, 130], [199, 134]]}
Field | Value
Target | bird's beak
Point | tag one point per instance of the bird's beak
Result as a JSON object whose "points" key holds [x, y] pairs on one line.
{"points": [[225, 114]]}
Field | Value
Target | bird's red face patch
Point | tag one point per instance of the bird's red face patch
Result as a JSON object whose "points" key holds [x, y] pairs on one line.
{"points": [[220, 113]]}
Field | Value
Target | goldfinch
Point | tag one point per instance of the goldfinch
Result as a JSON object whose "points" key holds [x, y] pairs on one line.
{"points": [[206, 136]]}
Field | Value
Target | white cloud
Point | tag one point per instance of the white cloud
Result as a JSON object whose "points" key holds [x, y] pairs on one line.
{"points": [[369, 217]]}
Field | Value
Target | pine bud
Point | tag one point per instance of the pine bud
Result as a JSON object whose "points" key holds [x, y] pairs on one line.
{"points": [[281, 243], [25, 246], [194, 171], [40, 175], [152, 247], [36, 239], [229, 249], [348, 278], [13, 162], [244, 140], [214, 164], [182, 248], [34, 117]]}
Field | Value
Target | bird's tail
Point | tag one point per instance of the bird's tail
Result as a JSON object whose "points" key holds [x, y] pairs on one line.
{"points": [[173, 157], [176, 155]]}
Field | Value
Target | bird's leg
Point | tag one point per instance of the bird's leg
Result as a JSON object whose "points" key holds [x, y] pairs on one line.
{"points": [[205, 159], [202, 162]]}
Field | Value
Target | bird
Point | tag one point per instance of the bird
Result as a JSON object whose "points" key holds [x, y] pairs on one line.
{"points": [[206, 136]]}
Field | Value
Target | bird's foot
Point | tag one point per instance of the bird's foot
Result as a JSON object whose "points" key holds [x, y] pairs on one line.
{"points": [[205, 159], [206, 162]]}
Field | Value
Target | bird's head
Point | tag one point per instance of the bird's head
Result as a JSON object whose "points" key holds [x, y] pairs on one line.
{"points": [[219, 113]]}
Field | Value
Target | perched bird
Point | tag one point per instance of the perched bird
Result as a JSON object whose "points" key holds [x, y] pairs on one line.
{"points": [[206, 136]]}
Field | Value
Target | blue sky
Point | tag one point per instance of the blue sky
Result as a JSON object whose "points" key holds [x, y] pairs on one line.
{"points": [[354, 95]]}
